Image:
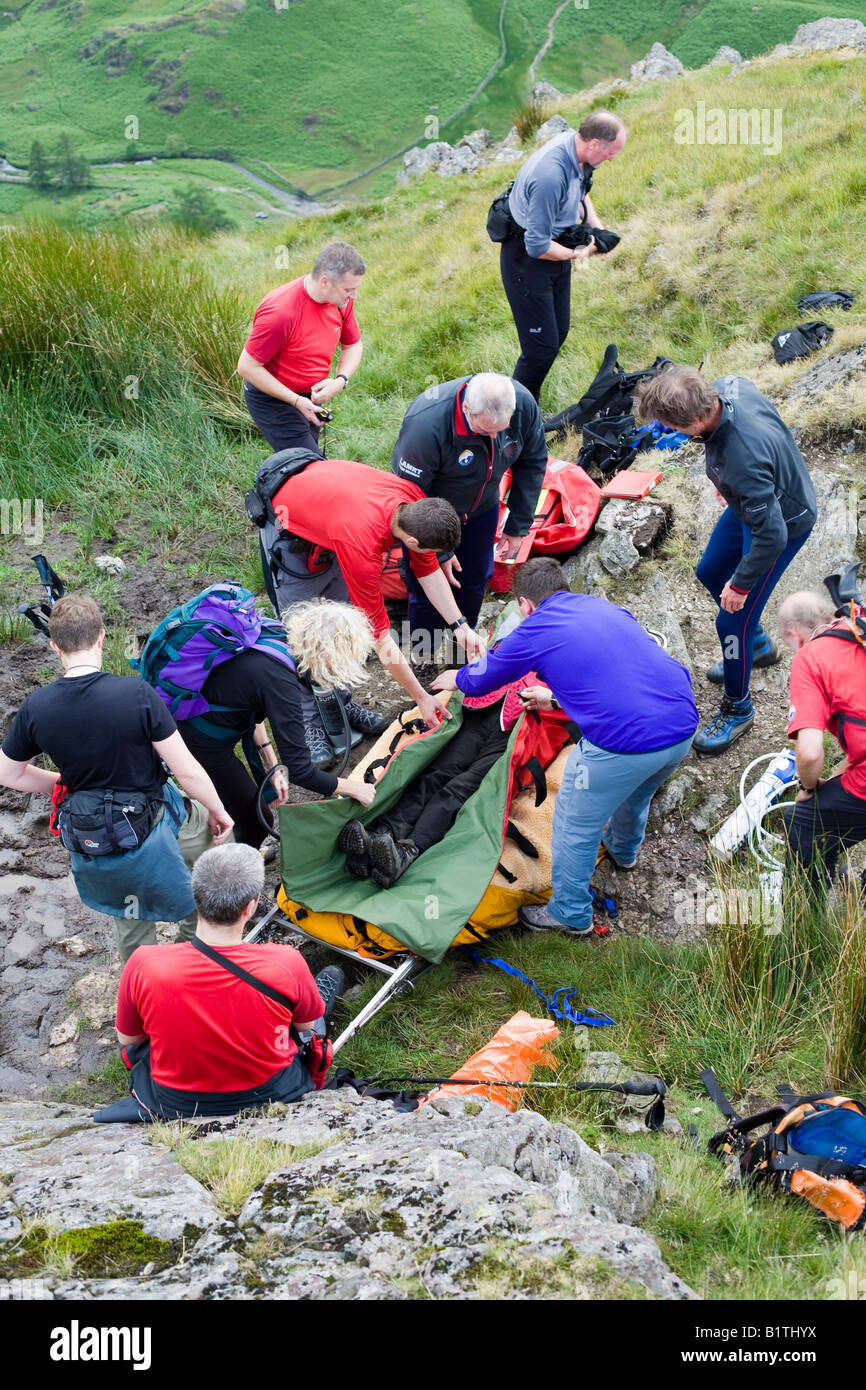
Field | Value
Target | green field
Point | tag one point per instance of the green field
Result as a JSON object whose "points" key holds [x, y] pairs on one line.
{"points": [[319, 93]]}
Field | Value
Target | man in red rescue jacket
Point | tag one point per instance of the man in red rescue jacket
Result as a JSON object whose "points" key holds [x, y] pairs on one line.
{"points": [[358, 512]]}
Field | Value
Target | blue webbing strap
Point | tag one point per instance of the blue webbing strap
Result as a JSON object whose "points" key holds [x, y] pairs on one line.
{"points": [[559, 1004]]}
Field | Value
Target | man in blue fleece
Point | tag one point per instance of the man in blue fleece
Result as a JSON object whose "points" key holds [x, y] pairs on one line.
{"points": [[633, 704], [550, 196]]}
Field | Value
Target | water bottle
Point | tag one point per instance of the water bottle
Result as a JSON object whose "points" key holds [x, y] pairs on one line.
{"points": [[777, 777]]}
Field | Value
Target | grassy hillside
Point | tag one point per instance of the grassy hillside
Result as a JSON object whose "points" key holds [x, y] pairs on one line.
{"points": [[718, 243], [318, 94]]}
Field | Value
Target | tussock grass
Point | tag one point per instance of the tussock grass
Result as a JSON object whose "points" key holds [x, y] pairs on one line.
{"points": [[846, 1022], [231, 1167]]}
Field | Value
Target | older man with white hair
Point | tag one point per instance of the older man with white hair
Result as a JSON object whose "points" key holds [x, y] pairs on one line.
{"points": [[456, 441]]}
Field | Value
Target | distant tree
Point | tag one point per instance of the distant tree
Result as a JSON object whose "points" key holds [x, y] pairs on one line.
{"points": [[73, 171], [40, 170], [131, 151], [199, 212]]}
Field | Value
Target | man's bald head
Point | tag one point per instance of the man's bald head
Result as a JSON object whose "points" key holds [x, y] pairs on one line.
{"points": [[800, 614]]}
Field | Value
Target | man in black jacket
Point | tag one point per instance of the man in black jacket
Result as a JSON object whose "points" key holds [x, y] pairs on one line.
{"points": [[456, 442], [760, 474]]}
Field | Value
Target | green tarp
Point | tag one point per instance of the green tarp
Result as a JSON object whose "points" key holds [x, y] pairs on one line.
{"points": [[430, 904]]}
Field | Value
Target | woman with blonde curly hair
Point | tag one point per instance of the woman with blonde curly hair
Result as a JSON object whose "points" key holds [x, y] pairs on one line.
{"points": [[330, 643]]}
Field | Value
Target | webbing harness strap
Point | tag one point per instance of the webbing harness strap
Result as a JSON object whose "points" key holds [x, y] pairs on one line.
{"points": [[234, 969], [559, 1004]]}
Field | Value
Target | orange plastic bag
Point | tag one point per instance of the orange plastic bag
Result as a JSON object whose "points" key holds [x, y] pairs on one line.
{"points": [[510, 1055], [835, 1197]]}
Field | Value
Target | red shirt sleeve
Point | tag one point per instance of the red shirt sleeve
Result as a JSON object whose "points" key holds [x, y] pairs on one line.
{"points": [[423, 562], [272, 328], [363, 578], [810, 702], [128, 1020], [311, 1005], [351, 333]]}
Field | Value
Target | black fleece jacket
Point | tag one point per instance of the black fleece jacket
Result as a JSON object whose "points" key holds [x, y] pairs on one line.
{"points": [[754, 462], [436, 450]]}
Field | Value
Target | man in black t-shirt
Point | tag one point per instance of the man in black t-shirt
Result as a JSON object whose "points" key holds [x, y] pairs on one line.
{"points": [[108, 732]]}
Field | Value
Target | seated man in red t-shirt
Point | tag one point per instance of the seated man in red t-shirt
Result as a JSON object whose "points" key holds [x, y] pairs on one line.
{"points": [[286, 360], [828, 691], [195, 1027]]}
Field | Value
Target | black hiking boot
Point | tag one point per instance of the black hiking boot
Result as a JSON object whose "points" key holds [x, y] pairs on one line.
{"points": [[365, 721], [319, 747], [330, 983], [354, 841], [329, 703], [389, 859]]}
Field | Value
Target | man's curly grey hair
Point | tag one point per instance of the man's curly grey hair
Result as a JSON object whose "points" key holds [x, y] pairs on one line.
{"points": [[329, 641]]}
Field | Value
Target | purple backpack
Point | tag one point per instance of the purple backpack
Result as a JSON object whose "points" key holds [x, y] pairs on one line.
{"points": [[197, 636]]}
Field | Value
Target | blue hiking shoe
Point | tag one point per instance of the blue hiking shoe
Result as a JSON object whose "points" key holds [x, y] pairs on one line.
{"points": [[764, 653], [735, 717]]}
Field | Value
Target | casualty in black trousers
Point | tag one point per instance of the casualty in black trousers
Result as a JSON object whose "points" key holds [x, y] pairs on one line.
{"points": [[428, 808], [539, 295]]}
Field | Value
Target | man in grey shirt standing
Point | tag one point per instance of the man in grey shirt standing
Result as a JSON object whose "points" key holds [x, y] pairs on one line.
{"points": [[549, 196]]}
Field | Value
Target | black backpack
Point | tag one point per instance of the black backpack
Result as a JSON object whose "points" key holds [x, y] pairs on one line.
{"points": [[608, 397], [610, 444], [801, 341], [259, 501]]}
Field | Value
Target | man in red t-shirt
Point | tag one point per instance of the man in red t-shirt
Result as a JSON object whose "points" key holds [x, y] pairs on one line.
{"points": [[200, 1039], [359, 512], [286, 360], [828, 692]]}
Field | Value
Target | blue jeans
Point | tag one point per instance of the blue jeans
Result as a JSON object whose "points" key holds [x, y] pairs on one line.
{"points": [[728, 543], [602, 792]]}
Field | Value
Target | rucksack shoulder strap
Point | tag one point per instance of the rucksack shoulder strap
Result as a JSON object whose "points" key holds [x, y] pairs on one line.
{"points": [[234, 969]]}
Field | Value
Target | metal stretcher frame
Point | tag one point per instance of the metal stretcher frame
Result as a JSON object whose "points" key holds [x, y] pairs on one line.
{"points": [[400, 975]]}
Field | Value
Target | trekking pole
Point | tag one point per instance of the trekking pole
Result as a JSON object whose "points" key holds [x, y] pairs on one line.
{"points": [[51, 581], [655, 1090], [626, 1088]]}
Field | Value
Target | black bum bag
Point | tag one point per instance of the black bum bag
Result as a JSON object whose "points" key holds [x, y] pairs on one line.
{"points": [[106, 822]]}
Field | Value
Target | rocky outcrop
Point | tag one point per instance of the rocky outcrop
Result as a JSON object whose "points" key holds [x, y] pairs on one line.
{"points": [[723, 56], [544, 91], [658, 63], [830, 33], [463, 158], [452, 1201], [830, 371], [555, 126]]}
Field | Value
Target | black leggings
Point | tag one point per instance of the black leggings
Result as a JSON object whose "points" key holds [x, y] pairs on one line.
{"points": [[539, 294], [229, 775], [428, 808], [818, 829]]}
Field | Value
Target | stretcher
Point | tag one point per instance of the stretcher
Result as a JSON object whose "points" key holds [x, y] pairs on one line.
{"points": [[495, 858]]}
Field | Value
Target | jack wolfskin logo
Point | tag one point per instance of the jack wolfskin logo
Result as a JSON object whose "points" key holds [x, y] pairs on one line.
{"points": [[783, 338], [535, 330]]}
